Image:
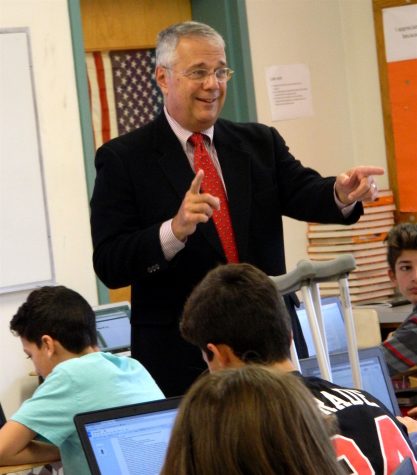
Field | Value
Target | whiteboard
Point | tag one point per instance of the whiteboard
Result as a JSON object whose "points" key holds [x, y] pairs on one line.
{"points": [[25, 248]]}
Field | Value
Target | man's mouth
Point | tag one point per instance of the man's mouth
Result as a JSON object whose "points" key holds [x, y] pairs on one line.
{"points": [[208, 100]]}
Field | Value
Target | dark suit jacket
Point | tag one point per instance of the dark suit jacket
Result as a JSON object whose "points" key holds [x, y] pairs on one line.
{"points": [[142, 178]]}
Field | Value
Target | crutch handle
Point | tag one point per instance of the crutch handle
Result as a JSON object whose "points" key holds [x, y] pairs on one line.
{"points": [[307, 271], [293, 280], [333, 269]]}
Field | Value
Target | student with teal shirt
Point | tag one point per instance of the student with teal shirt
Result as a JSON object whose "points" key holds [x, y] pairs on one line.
{"points": [[57, 330]]}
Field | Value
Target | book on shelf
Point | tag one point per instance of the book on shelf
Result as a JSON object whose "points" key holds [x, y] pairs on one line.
{"points": [[365, 221], [373, 295], [362, 285], [349, 232], [379, 258], [383, 192], [384, 198], [361, 256], [371, 265], [386, 216], [336, 241], [353, 248], [378, 208], [381, 295], [372, 272]]}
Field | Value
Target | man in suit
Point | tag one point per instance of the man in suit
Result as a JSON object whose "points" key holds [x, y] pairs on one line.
{"points": [[155, 223]]}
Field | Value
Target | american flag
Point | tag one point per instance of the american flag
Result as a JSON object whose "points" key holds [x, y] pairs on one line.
{"points": [[123, 91]]}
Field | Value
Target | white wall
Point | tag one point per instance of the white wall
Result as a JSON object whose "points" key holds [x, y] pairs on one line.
{"points": [[335, 38], [67, 198]]}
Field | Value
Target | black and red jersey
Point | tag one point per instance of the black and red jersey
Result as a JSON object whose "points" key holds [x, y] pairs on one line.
{"points": [[370, 440]]}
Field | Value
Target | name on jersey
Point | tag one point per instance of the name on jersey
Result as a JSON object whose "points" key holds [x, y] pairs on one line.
{"points": [[342, 399]]}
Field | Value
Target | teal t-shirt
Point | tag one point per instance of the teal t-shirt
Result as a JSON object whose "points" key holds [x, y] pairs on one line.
{"points": [[90, 382]]}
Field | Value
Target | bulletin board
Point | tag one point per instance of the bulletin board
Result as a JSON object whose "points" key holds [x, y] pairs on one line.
{"points": [[396, 36], [25, 247]]}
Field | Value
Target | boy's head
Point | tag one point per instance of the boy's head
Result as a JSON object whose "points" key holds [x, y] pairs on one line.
{"points": [[238, 306], [402, 259], [58, 314]]}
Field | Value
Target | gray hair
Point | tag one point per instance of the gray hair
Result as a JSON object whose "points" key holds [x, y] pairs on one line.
{"points": [[167, 40]]}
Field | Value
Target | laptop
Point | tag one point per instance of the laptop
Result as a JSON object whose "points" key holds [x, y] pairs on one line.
{"points": [[334, 325], [129, 439], [374, 372], [113, 327], [2, 417]]}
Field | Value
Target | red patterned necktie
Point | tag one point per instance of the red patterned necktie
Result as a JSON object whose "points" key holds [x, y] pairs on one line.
{"points": [[212, 184]]}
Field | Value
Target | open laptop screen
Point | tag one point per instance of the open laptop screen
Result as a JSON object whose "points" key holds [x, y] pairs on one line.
{"points": [[375, 377], [333, 323], [113, 327], [2, 417], [129, 439]]}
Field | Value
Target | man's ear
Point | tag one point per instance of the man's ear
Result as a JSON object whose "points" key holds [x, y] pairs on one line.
{"points": [[49, 344], [161, 79]]}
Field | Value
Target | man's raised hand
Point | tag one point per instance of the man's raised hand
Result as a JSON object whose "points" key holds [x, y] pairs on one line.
{"points": [[195, 208]]}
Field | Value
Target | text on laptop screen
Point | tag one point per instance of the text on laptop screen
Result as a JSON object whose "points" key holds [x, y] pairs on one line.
{"points": [[375, 378], [131, 445], [333, 323], [113, 328]]}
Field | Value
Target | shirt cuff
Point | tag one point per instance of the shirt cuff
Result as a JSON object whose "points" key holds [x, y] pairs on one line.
{"points": [[345, 209], [169, 243]]}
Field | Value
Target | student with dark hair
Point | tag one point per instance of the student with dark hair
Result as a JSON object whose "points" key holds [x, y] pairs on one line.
{"points": [[57, 330], [250, 421], [400, 348], [236, 317]]}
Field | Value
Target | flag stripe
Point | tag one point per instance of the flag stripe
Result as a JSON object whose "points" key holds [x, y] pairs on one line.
{"points": [[101, 81], [94, 100], [111, 102]]}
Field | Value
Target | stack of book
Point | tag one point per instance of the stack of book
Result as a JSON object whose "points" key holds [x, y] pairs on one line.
{"points": [[365, 241]]}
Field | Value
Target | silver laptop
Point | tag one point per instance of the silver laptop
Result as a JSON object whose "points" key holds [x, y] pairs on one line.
{"points": [[333, 323], [127, 440], [113, 327], [374, 372]]}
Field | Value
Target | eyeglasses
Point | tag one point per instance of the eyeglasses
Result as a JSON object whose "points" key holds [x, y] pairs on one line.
{"points": [[201, 75]]}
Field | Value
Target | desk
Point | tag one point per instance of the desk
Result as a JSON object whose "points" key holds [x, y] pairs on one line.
{"points": [[41, 468], [390, 317]]}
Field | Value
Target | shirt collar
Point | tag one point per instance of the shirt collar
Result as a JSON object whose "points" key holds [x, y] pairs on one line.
{"points": [[183, 134]]}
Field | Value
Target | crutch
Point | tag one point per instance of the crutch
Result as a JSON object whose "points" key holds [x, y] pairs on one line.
{"points": [[306, 277], [338, 270]]}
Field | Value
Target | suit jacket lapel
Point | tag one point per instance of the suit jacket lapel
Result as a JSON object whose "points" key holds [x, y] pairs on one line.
{"points": [[172, 158]]}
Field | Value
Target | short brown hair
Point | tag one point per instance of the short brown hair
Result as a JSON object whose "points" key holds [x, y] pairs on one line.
{"points": [[400, 238], [238, 305]]}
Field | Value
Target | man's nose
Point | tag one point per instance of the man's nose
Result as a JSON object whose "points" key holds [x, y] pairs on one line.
{"points": [[211, 81]]}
